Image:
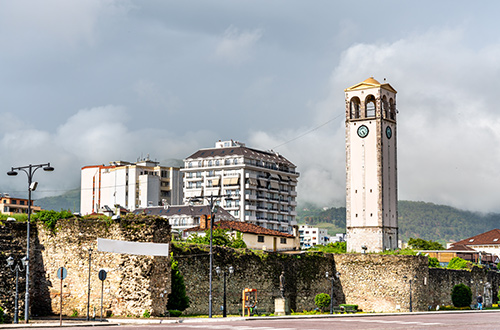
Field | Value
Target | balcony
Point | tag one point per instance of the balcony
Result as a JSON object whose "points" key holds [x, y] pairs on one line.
{"points": [[250, 218], [250, 207], [293, 193], [250, 197]]}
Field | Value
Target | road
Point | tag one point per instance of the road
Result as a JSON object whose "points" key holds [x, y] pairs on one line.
{"points": [[472, 320]]}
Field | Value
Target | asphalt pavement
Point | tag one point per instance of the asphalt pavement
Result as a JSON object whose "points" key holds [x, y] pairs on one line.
{"points": [[54, 322]]}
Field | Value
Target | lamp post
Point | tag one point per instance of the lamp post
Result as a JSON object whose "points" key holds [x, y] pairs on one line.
{"points": [[227, 272], [411, 292], [88, 295], [332, 278], [16, 266], [30, 171], [212, 204]]}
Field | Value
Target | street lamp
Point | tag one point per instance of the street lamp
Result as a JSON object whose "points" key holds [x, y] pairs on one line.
{"points": [[411, 293], [16, 266], [214, 207], [30, 171], [88, 294], [332, 278], [227, 272]]}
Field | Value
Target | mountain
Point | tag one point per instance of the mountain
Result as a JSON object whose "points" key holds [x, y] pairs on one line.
{"points": [[416, 220], [68, 201]]}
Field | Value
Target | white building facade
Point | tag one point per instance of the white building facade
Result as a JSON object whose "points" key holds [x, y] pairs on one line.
{"points": [[255, 186], [129, 185], [371, 167], [311, 236]]}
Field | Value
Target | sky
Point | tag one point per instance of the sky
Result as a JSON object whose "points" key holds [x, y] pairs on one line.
{"points": [[87, 82]]}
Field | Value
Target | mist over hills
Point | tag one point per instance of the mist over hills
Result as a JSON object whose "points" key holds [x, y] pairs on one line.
{"points": [[416, 219]]}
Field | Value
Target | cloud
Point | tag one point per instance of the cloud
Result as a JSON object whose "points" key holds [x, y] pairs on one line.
{"points": [[89, 137], [236, 47], [151, 93]]}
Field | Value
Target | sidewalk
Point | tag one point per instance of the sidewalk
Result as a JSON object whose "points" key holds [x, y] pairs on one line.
{"points": [[54, 322]]}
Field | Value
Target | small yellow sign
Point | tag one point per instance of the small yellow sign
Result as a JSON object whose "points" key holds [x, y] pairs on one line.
{"points": [[494, 305]]}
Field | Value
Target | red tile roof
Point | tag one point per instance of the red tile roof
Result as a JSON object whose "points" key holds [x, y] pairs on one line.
{"points": [[244, 227], [491, 237], [460, 247]]}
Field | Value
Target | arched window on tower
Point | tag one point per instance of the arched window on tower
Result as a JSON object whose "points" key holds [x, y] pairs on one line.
{"points": [[370, 106], [392, 109], [385, 107], [355, 105]]}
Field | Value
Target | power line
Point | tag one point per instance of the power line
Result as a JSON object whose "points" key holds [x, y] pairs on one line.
{"points": [[308, 132]]}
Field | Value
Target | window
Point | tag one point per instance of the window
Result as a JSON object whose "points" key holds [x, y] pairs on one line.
{"points": [[235, 162], [370, 106], [260, 239], [199, 164], [209, 163], [283, 240], [354, 108], [190, 164], [227, 162], [217, 162]]}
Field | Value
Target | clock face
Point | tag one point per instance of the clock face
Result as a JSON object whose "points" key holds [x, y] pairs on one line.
{"points": [[388, 132], [362, 131]]}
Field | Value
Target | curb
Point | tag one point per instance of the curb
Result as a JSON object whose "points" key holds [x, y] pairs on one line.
{"points": [[118, 322]]}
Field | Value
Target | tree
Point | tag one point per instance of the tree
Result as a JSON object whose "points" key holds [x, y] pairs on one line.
{"points": [[421, 244], [461, 295], [177, 299], [220, 238], [457, 263], [433, 262], [322, 300], [337, 247]]}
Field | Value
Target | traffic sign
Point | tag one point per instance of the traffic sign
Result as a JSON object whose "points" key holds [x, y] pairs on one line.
{"points": [[102, 274], [62, 273]]}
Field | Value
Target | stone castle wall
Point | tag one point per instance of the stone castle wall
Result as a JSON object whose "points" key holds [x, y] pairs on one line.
{"points": [[373, 282], [133, 284], [137, 283]]}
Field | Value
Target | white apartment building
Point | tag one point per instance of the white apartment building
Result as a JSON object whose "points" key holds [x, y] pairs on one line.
{"points": [[255, 186], [311, 236], [129, 185]]}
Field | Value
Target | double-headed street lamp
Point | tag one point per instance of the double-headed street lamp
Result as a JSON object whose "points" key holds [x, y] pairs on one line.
{"points": [[30, 171], [332, 278], [16, 266], [227, 272], [213, 205], [411, 292]]}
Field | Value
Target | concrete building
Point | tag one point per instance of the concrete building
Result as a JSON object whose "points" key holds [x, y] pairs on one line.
{"points": [[10, 205], [129, 185], [311, 236], [371, 165], [255, 186]]}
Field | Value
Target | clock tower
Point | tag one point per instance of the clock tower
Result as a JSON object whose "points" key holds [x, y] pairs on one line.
{"points": [[371, 164]]}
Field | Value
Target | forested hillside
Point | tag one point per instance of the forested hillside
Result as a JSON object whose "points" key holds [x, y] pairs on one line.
{"points": [[416, 220], [67, 201]]}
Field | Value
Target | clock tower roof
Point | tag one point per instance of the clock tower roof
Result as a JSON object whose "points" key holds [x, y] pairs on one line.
{"points": [[370, 83]]}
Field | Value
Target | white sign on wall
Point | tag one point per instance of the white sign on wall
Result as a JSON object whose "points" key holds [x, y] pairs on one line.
{"points": [[137, 248]]}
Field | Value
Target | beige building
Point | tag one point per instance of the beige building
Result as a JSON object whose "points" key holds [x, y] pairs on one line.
{"points": [[10, 205], [129, 185], [255, 237], [255, 186], [371, 165]]}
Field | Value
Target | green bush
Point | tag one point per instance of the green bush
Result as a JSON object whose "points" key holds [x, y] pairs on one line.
{"points": [[175, 312], [433, 262], [461, 295], [457, 263], [177, 299], [350, 306], [2, 317], [322, 300], [146, 314]]}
